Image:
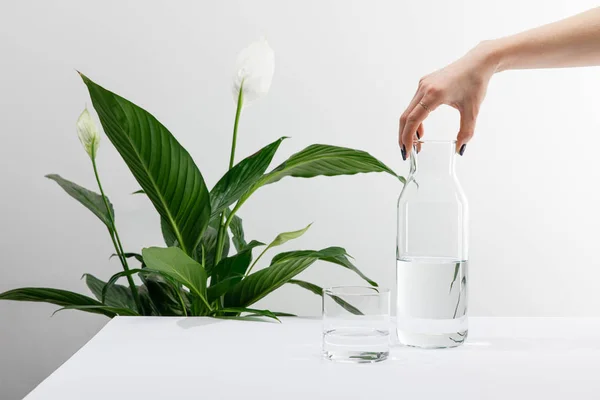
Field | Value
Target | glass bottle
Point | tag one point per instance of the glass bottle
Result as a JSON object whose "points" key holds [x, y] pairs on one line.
{"points": [[432, 250]]}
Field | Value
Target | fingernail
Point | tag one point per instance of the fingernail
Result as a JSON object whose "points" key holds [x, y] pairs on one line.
{"points": [[403, 152], [418, 135], [462, 149]]}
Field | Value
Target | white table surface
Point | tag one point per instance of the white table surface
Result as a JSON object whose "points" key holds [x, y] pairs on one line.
{"points": [[202, 358]]}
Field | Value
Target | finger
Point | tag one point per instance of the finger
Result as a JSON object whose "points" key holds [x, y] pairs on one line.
{"points": [[415, 100], [419, 135], [468, 118], [415, 119]]}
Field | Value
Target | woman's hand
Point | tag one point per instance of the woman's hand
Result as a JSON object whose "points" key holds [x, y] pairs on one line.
{"points": [[461, 85]]}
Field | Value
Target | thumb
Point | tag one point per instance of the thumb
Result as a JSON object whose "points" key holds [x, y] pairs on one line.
{"points": [[467, 129]]}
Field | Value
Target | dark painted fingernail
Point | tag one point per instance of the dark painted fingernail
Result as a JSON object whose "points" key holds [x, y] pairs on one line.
{"points": [[462, 149], [418, 135], [403, 151]]}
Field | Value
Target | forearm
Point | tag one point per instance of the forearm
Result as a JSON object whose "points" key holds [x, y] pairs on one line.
{"points": [[571, 42]]}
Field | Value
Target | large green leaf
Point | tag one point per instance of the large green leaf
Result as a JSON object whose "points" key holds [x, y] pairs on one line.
{"points": [[118, 296], [259, 284], [168, 235], [335, 255], [162, 167], [283, 268], [91, 200], [62, 298], [319, 292], [173, 262], [241, 177], [320, 160]]}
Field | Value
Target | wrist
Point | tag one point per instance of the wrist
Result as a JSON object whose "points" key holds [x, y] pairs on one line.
{"points": [[492, 55]]}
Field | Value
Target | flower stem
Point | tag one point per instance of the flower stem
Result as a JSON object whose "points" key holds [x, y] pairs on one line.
{"points": [[238, 112], [114, 235], [222, 228]]}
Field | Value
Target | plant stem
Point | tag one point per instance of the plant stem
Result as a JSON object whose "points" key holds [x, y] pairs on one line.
{"points": [[256, 260], [222, 228], [117, 243], [182, 303]]}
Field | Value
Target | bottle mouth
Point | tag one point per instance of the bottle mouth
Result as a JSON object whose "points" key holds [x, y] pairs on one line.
{"points": [[425, 141]]}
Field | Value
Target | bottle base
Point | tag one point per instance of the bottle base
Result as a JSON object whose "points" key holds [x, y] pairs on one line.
{"points": [[432, 341]]}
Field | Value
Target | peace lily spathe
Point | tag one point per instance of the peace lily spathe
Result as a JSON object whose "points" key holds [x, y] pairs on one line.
{"points": [[254, 68], [88, 133]]}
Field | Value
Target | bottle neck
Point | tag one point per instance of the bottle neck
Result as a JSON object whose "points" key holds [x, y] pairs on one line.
{"points": [[435, 159]]}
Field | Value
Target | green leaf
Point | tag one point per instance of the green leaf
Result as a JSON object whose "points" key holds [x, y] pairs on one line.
{"points": [[162, 167], [319, 292], [284, 314], [168, 235], [59, 297], [259, 284], [251, 311], [209, 243], [284, 267], [321, 159], [237, 233], [335, 255], [241, 177], [456, 268], [162, 294], [91, 200], [111, 282], [141, 191], [117, 296], [130, 255], [173, 262], [219, 289], [287, 236], [149, 308], [234, 266], [108, 309]]}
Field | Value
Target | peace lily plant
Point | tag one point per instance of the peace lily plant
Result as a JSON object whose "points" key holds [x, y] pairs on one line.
{"points": [[197, 273]]}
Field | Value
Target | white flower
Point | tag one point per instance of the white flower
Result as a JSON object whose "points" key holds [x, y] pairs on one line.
{"points": [[88, 133], [254, 71]]}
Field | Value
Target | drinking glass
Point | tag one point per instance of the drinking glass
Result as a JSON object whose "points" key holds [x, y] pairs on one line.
{"points": [[356, 324]]}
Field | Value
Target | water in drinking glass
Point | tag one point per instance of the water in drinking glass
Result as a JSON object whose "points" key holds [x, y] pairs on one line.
{"points": [[356, 324]]}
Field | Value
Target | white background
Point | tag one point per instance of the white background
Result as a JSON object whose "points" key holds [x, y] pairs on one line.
{"points": [[344, 72]]}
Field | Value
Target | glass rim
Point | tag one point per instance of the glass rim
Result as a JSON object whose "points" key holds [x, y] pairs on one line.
{"points": [[356, 290]]}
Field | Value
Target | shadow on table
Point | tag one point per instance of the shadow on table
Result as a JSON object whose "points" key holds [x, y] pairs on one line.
{"points": [[190, 322], [193, 322]]}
